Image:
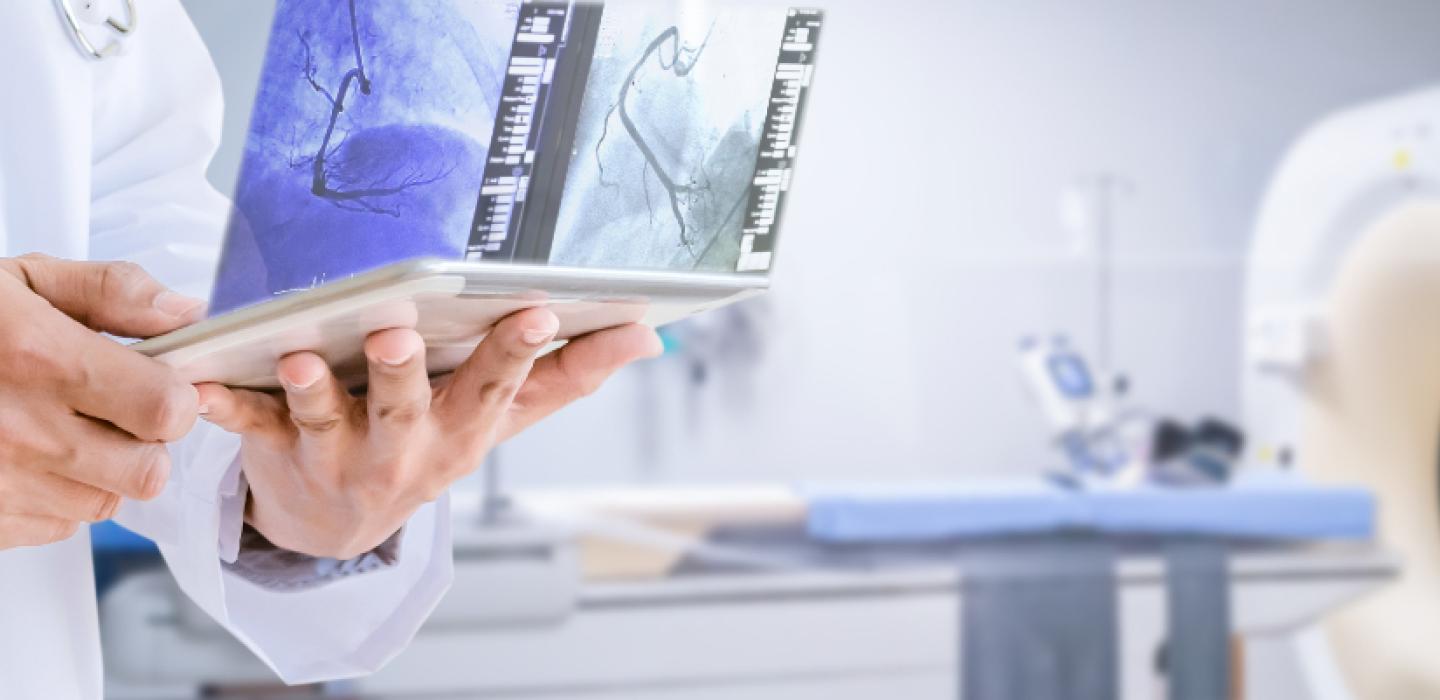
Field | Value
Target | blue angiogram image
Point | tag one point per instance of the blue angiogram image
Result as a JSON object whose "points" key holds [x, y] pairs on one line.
{"points": [[367, 140]]}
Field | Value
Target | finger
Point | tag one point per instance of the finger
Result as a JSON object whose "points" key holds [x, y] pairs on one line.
{"points": [[92, 374], [398, 395], [114, 297], [319, 407], [34, 530], [106, 458], [57, 497], [250, 413], [483, 386], [577, 370], [105, 380]]}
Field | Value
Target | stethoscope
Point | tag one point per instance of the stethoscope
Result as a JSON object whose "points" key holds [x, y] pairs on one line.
{"points": [[91, 13]]}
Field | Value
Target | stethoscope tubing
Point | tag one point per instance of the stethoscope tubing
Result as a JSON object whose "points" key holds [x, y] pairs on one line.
{"points": [[83, 42]]}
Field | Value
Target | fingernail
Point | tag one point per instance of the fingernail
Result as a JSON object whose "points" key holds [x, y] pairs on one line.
{"points": [[157, 477], [538, 335], [657, 346], [300, 386], [396, 361], [204, 409], [177, 305]]}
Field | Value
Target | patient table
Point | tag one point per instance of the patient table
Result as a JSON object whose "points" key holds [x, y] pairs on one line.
{"points": [[800, 593]]}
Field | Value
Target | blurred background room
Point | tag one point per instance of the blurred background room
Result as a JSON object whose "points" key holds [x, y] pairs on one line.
{"points": [[866, 483]]}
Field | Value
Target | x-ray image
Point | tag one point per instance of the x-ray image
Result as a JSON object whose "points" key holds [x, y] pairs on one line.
{"points": [[366, 141], [668, 135]]}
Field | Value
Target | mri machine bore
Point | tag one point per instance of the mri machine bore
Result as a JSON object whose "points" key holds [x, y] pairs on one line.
{"points": [[1342, 360]]}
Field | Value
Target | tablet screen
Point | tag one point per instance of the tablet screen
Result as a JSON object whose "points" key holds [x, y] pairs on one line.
{"points": [[639, 134]]}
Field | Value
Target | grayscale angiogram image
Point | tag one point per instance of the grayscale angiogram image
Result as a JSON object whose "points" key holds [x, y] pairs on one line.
{"points": [[667, 138]]}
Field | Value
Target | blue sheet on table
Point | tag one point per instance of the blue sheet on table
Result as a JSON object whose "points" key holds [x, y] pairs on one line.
{"points": [[1269, 506]]}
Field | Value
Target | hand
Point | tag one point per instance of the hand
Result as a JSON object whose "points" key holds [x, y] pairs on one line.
{"points": [[334, 475], [83, 420]]}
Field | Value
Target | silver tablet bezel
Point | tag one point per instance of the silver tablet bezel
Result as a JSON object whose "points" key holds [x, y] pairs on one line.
{"points": [[481, 280]]}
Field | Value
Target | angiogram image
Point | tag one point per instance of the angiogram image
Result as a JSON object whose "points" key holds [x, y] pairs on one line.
{"points": [[367, 140], [668, 134]]}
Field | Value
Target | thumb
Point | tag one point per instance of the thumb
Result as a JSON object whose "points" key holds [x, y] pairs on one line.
{"points": [[112, 297]]}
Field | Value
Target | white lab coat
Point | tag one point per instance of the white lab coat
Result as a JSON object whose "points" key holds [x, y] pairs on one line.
{"points": [[106, 160]]}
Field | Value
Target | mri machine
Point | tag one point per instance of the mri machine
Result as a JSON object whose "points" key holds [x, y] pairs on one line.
{"points": [[1342, 360]]}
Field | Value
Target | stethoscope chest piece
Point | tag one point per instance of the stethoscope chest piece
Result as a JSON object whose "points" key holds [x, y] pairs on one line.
{"points": [[93, 12]]}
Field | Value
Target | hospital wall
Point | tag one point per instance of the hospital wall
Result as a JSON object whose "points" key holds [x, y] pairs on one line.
{"points": [[939, 213]]}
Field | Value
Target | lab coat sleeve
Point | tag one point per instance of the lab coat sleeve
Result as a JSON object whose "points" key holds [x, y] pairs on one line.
{"points": [[157, 123]]}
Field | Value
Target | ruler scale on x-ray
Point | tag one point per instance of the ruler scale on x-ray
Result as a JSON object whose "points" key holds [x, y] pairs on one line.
{"points": [[779, 142], [539, 33]]}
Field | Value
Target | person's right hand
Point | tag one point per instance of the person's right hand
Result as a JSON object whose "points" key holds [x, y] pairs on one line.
{"points": [[83, 419]]}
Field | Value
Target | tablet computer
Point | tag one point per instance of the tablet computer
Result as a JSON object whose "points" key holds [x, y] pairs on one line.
{"points": [[452, 305], [439, 163]]}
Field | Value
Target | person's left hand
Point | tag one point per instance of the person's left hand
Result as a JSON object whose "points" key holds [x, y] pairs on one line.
{"points": [[334, 475]]}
